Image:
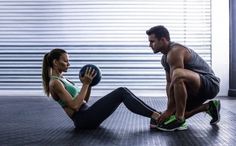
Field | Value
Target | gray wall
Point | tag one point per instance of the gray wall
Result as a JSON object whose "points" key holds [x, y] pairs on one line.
{"points": [[232, 71]]}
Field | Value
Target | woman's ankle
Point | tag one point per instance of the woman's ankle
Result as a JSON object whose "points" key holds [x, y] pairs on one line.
{"points": [[155, 115]]}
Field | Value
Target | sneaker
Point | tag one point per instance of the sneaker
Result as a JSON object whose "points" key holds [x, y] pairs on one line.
{"points": [[172, 124], [153, 123], [214, 111]]}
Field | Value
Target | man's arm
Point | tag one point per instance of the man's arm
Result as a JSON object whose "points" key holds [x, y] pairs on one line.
{"points": [[170, 101], [169, 92]]}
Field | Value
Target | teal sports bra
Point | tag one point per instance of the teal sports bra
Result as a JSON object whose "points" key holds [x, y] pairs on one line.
{"points": [[70, 87]]}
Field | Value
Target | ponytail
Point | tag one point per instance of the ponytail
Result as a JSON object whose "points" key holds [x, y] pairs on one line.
{"points": [[47, 65], [45, 74]]}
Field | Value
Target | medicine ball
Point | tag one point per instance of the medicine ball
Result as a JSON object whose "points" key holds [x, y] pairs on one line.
{"points": [[98, 76]]}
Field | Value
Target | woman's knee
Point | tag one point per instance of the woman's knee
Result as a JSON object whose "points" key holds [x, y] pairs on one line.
{"points": [[121, 90]]}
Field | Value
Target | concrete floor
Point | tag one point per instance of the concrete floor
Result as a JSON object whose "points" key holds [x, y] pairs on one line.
{"points": [[40, 121]]}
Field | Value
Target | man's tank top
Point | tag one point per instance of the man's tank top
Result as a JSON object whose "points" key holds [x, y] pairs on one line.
{"points": [[196, 64]]}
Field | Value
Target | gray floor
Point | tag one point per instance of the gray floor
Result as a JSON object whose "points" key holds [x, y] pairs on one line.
{"points": [[40, 121]]}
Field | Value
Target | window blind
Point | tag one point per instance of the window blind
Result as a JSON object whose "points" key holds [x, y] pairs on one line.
{"points": [[108, 33]]}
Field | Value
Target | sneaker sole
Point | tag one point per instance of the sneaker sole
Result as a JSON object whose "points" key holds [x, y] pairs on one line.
{"points": [[185, 127], [218, 114], [175, 129]]}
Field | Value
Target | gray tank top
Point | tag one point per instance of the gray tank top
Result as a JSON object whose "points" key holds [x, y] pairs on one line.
{"points": [[196, 64]]}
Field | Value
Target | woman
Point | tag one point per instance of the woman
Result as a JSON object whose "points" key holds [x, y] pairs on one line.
{"points": [[74, 100]]}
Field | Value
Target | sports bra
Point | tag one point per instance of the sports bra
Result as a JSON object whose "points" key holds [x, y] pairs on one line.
{"points": [[69, 86]]}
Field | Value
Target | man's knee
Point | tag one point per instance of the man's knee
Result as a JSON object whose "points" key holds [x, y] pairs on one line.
{"points": [[189, 78], [185, 75], [178, 75]]}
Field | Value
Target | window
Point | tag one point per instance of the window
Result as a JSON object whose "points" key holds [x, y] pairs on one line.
{"points": [[108, 33]]}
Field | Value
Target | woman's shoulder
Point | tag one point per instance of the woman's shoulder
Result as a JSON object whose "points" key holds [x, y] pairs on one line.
{"points": [[55, 84]]}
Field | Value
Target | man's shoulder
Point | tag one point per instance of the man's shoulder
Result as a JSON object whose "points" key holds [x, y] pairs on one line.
{"points": [[176, 51]]}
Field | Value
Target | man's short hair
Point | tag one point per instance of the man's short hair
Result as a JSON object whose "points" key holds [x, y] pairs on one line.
{"points": [[159, 31]]}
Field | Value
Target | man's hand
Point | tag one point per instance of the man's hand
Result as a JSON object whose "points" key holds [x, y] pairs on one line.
{"points": [[166, 114]]}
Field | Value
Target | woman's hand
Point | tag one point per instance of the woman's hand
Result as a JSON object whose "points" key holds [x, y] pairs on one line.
{"points": [[88, 76]]}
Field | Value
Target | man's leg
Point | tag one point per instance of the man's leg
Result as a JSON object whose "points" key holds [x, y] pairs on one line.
{"points": [[202, 108], [196, 103], [190, 91], [184, 82]]}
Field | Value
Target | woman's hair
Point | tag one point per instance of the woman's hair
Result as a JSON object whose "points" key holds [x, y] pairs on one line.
{"points": [[48, 64]]}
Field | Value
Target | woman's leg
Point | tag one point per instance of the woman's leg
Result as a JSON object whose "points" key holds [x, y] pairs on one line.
{"points": [[104, 107]]}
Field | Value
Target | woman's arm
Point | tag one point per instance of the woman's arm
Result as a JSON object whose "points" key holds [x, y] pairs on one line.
{"points": [[88, 94], [58, 89]]}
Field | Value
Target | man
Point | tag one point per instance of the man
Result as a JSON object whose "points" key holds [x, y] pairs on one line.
{"points": [[190, 82]]}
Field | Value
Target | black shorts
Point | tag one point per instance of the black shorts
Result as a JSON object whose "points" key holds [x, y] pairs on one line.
{"points": [[208, 90]]}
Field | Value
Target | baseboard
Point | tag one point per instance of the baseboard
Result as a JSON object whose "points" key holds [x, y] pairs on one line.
{"points": [[232, 92]]}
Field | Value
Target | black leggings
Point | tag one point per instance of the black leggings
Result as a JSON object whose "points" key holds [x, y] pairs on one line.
{"points": [[91, 117]]}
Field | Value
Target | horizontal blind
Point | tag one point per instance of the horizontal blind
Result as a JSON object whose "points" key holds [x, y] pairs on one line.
{"points": [[108, 33]]}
